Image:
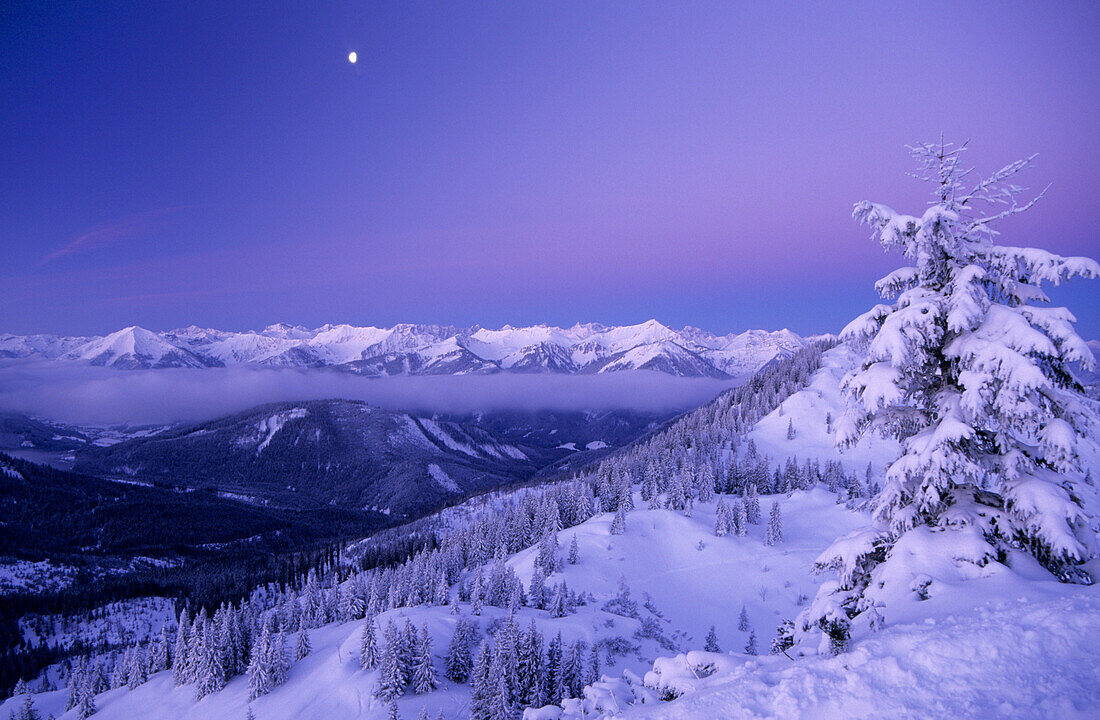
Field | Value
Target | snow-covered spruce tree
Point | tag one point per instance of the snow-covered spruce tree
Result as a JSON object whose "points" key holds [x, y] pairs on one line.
{"points": [[391, 682], [618, 525], [459, 661], [27, 711], [712, 642], [972, 377], [179, 654], [593, 670], [530, 668], [424, 677], [85, 700], [302, 646], [137, 671], [368, 646], [482, 684], [259, 673], [774, 533]]}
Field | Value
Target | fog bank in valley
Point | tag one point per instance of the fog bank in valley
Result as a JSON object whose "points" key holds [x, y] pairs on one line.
{"points": [[103, 396]]}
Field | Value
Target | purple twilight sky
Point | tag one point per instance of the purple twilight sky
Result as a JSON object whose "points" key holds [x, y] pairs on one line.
{"points": [[223, 164]]}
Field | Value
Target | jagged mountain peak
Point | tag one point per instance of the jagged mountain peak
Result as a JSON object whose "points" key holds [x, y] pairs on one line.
{"points": [[409, 348]]}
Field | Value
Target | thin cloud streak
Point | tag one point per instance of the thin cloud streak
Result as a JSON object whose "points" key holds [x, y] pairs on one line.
{"points": [[114, 232]]}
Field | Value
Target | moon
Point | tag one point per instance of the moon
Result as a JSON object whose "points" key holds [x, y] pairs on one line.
{"points": [[352, 57]]}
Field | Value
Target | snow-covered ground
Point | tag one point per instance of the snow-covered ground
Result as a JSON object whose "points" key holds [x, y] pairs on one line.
{"points": [[1010, 643], [691, 577], [1030, 654], [809, 412]]}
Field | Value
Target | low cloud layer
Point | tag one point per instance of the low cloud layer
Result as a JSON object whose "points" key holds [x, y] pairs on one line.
{"points": [[102, 396]]}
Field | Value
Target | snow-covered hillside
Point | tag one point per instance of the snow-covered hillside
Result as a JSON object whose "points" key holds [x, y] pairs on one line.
{"points": [[803, 425], [682, 578], [1037, 639], [426, 349]]}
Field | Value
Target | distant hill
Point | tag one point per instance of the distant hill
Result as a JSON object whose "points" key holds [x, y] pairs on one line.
{"points": [[347, 454]]}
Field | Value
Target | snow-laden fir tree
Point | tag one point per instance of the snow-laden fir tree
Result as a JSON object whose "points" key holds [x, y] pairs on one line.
{"points": [[137, 670], [368, 646], [618, 525], [743, 620], [721, 518], [260, 674], [442, 589], [27, 710], [482, 684], [574, 551], [498, 707], [548, 553], [536, 593], [391, 681], [85, 699], [424, 677], [406, 650], [209, 673], [179, 654], [557, 605], [459, 658], [573, 669], [530, 668], [554, 671], [475, 594], [752, 505], [72, 684], [741, 519], [774, 533], [593, 669], [712, 641], [302, 647], [970, 370]]}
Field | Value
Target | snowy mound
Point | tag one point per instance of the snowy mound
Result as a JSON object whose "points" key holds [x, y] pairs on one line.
{"points": [[1038, 659]]}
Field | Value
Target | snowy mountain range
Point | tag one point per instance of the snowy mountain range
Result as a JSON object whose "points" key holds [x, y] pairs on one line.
{"points": [[406, 349]]}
